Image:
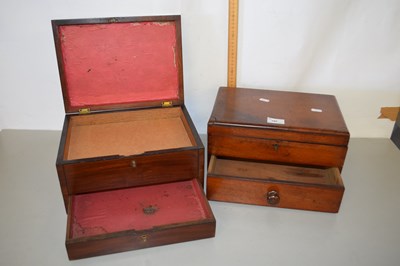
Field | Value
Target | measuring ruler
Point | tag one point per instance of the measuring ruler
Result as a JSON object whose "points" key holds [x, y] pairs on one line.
{"points": [[232, 42]]}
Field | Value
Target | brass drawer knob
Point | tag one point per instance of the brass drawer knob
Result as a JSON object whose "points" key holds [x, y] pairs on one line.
{"points": [[273, 197]]}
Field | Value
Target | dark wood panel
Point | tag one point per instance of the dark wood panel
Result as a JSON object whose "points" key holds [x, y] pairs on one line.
{"points": [[395, 137], [190, 127], [118, 173], [63, 185], [277, 151], [261, 132], [138, 240]]}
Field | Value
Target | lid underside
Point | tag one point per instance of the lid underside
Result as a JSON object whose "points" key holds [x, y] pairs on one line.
{"points": [[112, 65]]}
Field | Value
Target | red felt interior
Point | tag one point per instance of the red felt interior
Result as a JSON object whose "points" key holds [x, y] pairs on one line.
{"points": [[121, 210], [108, 64]]}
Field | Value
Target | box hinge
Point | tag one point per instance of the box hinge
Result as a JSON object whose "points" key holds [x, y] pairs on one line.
{"points": [[84, 111], [166, 104]]}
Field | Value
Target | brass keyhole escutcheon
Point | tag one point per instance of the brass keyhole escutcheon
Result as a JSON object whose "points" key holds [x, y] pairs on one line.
{"points": [[133, 163], [149, 210], [276, 146], [143, 238], [273, 197]]}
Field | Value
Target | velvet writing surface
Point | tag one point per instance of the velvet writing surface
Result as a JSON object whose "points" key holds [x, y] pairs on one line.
{"points": [[108, 64], [137, 208]]}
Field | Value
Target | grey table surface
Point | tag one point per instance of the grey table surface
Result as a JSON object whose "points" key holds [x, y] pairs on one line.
{"points": [[366, 231]]}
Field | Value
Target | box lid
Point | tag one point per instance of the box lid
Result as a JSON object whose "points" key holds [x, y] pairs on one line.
{"points": [[281, 110], [119, 63]]}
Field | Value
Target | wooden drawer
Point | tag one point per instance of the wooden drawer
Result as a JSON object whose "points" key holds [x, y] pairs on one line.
{"points": [[134, 218], [283, 186]]}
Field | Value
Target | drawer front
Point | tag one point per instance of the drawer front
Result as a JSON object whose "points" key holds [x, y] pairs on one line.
{"points": [[125, 241], [132, 171], [277, 150], [275, 194]]}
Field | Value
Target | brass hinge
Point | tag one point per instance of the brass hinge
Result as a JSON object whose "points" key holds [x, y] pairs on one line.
{"points": [[166, 104], [84, 111]]}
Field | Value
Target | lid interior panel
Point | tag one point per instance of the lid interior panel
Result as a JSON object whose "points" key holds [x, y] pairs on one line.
{"points": [[115, 64]]}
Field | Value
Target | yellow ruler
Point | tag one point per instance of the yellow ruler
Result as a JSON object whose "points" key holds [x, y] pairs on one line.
{"points": [[232, 42]]}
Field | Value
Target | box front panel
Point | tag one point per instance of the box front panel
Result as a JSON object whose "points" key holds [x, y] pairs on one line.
{"points": [[132, 171], [298, 135], [277, 150]]}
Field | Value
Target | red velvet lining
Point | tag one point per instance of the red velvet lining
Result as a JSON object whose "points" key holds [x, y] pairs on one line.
{"points": [[137, 208], [119, 63]]}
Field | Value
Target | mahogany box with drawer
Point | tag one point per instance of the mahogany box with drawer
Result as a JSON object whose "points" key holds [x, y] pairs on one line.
{"points": [[130, 161], [276, 148]]}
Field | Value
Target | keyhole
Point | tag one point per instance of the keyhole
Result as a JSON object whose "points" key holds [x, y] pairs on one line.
{"points": [[276, 146]]}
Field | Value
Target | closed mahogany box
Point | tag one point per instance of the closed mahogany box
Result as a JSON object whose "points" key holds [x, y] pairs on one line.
{"points": [[130, 157], [276, 148]]}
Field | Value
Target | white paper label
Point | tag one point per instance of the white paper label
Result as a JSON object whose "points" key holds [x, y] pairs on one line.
{"points": [[264, 100], [316, 110], [278, 121]]}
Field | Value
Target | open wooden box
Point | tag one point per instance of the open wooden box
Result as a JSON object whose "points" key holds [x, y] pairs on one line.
{"points": [[126, 124], [276, 148]]}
